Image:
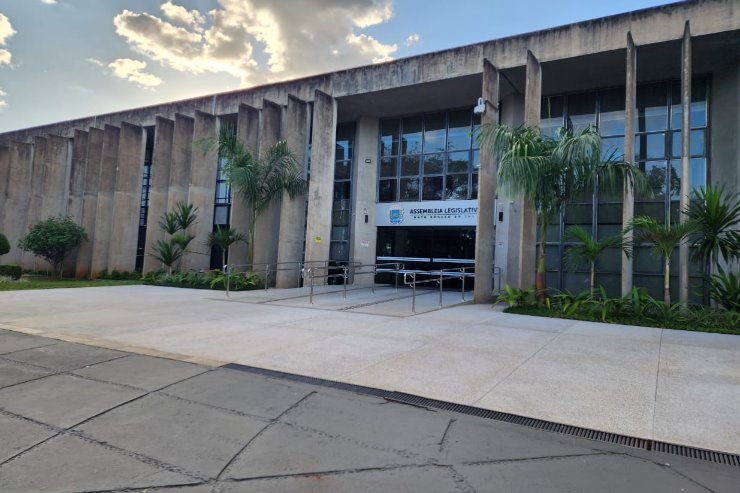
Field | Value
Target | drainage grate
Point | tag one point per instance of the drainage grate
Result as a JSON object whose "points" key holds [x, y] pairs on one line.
{"points": [[539, 424]]}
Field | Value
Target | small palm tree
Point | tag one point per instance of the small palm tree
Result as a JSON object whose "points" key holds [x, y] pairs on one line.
{"points": [[260, 181], [589, 250], [663, 238], [716, 214], [167, 252], [224, 238], [175, 224]]}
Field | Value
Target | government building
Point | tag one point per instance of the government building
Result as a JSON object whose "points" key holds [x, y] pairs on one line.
{"points": [[395, 173]]}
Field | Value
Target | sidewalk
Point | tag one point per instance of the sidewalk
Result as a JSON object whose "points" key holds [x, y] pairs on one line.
{"points": [[674, 386]]}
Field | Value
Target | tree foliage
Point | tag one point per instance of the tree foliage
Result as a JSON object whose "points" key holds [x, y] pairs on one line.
{"points": [[716, 214], [587, 249], [175, 223], [4, 244], [223, 238], [53, 239]]}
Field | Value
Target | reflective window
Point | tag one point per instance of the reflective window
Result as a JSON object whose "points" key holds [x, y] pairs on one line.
{"points": [[411, 140], [611, 112], [551, 115], [581, 111], [434, 133], [342, 193]]}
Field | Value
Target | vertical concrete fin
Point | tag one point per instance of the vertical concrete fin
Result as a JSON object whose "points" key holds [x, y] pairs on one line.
{"points": [[127, 198], [628, 198], [35, 212], [17, 199], [164, 131], [292, 232], [90, 200], [683, 256], [78, 169], [247, 131], [182, 153], [364, 177], [201, 190], [268, 222], [56, 176], [485, 237], [4, 174], [104, 206], [321, 186]]}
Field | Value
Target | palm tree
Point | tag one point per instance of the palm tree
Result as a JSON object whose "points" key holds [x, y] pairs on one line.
{"points": [[663, 237], [588, 249], [549, 172], [224, 238], [716, 214], [260, 181], [175, 224]]}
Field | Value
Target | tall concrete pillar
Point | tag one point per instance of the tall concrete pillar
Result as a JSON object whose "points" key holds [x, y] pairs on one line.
{"points": [[628, 197], [247, 131], [34, 212], [4, 173], [293, 210], [182, 153], [127, 198], [76, 190], [55, 192], [164, 131], [522, 237], [104, 209], [201, 191], [268, 222], [485, 234], [90, 200], [683, 257], [321, 186], [364, 177], [17, 198]]}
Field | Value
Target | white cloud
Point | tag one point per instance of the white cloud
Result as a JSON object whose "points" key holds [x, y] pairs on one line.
{"points": [[95, 61], [6, 32], [260, 40], [5, 57], [49, 2], [3, 103], [412, 39], [133, 70]]}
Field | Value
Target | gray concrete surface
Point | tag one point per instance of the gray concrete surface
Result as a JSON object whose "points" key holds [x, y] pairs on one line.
{"points": [[672, 386], [96, 420]]}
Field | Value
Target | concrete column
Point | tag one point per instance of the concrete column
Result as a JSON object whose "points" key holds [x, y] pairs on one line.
{"points": [[364, 179], [522, 248], [201, 192], [104, 209], [321, 186], [4, 173], [90, 200], [247, 131], [683, 257], [55, 192], [76, 190], [628, 198], [485, 234], [182, 153], [127, 198], [17, 198], [293, 211], [268, 222], [34, 212], [164, 131]]}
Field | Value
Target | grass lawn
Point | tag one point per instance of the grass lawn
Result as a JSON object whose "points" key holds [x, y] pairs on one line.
{"points": [[34, 282]]}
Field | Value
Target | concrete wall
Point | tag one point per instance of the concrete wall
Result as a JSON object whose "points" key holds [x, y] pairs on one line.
{"points": [[164, 131], [364, 179], [18, 197], [33, 211], [247, 130], [182, 153], [104, 208], [90, 200], [4, 173]]}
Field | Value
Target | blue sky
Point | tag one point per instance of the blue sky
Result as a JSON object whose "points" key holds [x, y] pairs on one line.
{"points": [[61, 59]]}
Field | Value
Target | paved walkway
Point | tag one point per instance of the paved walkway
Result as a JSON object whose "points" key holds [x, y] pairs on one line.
{"points": [[81, 418], [674, 386]]}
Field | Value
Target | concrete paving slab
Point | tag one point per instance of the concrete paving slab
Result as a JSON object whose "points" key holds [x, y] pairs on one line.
{"points": [[70, 464], [602, 473], [245, 393], [16, 435], [600, 330], [429, 479], [12, 373], [285, 450], [63, 400], [196, 437], [64, 356], [13, 341], [143, 372]]}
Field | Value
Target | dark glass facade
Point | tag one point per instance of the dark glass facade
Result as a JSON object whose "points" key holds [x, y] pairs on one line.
{"points": [[144, 207], [341, 211]]}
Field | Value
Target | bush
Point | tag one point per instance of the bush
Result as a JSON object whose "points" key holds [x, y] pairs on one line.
{"points": [[4, 245], [213, 279], [517, 297], [53, 239], [12, 271], [724, 288], [116, 275]]}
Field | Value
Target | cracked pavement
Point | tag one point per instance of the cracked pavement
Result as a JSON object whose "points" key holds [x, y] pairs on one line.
{"points": [[86, 419]]}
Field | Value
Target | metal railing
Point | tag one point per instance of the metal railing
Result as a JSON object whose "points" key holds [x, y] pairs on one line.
{"points": [[267, 268], [437, 276], [355, 269]]}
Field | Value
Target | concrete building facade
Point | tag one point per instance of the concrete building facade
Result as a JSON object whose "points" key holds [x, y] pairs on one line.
{"points": [[395, 173]]}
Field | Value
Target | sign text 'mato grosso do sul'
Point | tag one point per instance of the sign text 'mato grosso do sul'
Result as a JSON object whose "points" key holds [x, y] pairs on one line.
{"points": [[431, 213]]}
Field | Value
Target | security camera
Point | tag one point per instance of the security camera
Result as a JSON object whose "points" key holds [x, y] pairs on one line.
{"points": [[480, 108]]}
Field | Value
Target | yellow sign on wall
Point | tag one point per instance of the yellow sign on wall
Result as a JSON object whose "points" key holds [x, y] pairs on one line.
{"points": [[317, 239]]}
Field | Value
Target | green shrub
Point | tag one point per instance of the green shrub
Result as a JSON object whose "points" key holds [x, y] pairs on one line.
{"points": [[4, 244], [517, 297], [9, 270], [213, 279], [724, 288], [53, 239]]}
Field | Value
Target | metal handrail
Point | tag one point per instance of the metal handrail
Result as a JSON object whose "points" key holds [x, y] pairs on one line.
{"points": [[299, 266], [457, 272], [345, 275]]}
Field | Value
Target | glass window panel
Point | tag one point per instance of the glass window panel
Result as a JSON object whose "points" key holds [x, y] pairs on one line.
{"points": [[612, 283], [387, 167], [651, 209], [387, 191], [343, 170], [697, 109], [676, 144], [340, 218], [221, 214], [650, 146], [646, 261], [696, 143], [457, 162], [411, 139], [611, 117], [343, 150], [432, 188], [551, 115], [410, 166], [581, 214], [552, 258], [339, 233], [610, 261], [652, 108], [341, 190], [698, 172], [476, 126], [339, 250], [409, 189], [456, 187], [474, 187], [433, 164], [581, 111], [612, 146], [675, 187], [576, 282], [476, 159], [389, 137], [459, 137], [434, 133], [656, 175]]}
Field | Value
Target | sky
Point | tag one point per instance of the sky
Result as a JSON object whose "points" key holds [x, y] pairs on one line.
{"points": [[64, 59]]}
